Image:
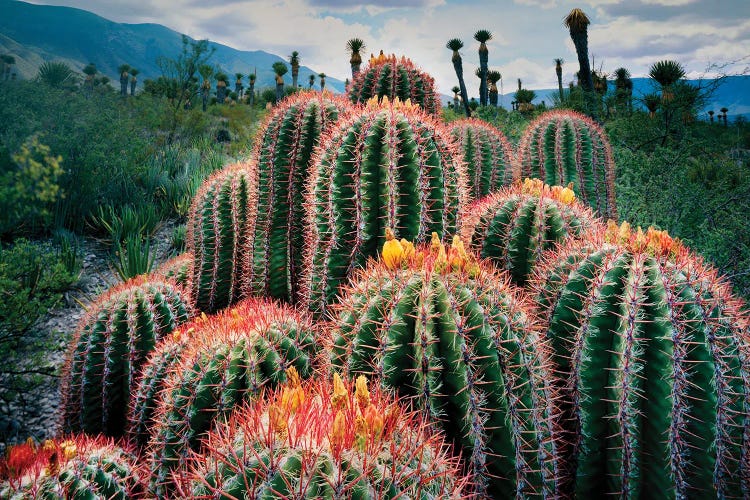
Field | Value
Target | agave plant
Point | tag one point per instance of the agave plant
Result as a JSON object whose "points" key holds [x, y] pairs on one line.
{"points": [[55, 74], [455, 45], [666, 74]]}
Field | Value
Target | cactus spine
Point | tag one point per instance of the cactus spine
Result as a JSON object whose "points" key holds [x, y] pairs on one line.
{"points": [[283, 150], [178, 269], [231, 357], [322, 440], [217, 237], [450, 334], [488, 156], [560, 147], [651, 351], [112, 341], [515, 226], [387, 76], [389, 166], [77, 468]]}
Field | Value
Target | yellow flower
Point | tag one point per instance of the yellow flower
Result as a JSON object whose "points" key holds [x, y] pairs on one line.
{"points": [[339, 397], [360, 433], [292, 398], [69, 449], [292, 377], [623, 234], [564, 194], [338, 430], [362, 394], [408, 247], [393, 252], [374, 421], [532, 186], [435, 243], [278, 419]]}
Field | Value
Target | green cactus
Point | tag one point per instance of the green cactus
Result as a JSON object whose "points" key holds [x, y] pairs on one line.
{"points": [[387, 76], [217, 237], [515, 226], [487, 153], [178, 269], [325, 441], [651, 355], [77, 468], [389, 166], [112, 341], [283, 148], [231, 357], [563, 146], [452, 336]]}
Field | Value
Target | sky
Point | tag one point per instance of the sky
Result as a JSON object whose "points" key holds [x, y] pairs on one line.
{"points": [[706, 36]]}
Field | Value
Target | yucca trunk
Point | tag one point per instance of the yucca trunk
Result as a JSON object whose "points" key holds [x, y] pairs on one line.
{"points": [[484, 56], [133, 83], [459, 67], [558, 70], [581, 42], [295, 74], [279, 88]]}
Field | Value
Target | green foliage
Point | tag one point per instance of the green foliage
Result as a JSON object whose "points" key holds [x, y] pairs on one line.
{"points": [[57, 75], [29, 188], [133, 258]]}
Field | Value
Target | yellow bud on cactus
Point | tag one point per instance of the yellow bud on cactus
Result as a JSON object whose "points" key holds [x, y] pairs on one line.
{"points": [[533, 186], [435, 243], [278, 421], [375, 421], [393, 251], [292, 377], [69, 449], [338, 431], [339, 397], [362, 394], [408, 247]]}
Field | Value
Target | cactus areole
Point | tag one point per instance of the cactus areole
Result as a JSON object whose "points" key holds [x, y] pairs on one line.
{"points": [[651, 355], [449, 333]]}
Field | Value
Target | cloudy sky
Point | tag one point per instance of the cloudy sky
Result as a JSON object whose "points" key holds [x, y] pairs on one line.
{"points": [[527, 34]]}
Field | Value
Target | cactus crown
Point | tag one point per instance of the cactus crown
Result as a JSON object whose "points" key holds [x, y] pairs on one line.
{"points": [[652, 241], [435, 257]]}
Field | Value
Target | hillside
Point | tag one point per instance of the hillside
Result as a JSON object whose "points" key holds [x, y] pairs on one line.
{"points": [[37, 33]]}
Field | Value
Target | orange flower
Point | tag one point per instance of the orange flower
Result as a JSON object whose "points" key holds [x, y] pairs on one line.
{"points": [[339, 397], [278, 420], [362, 394], [338, 431]]}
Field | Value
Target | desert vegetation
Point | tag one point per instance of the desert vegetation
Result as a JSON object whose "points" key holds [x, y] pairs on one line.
{"points": [[371, 295]]}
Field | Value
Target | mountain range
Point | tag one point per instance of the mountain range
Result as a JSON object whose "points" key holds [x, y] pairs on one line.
{"points": [[33, 34]]}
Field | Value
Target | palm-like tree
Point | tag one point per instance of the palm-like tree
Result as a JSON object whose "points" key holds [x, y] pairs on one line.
{"points": [[322, 77], [666, 73], [123, 70], [206, 71], [493, 77], [724, 115], [221, 87], [483, 36], [711, 115], [280, 69], [577, 22], [558, 70], [90, 71], [456, 89], [455, 45], [294, 63], [238, 84], [133, 80], [652, 102], [251, 87], [354, 45], [8, 61], [311, 80], [623, 89], [55, 74]]}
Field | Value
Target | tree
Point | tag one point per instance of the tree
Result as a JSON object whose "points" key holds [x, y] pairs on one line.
{"points": [[8, 62], [123, 70], [493, 77], [238, 84], [133, 80], [180, 73], [90, 71], [294, 63], [354, 45], [322, 77], [251, 87], [711, 115], [577, 22], [483, 36], [311, 81], [666, 74], [623, 90], [206, 71], [221, 87], [455, 45], [558, 70], [456, 89], [56, 74], [280, 69], [724, 115], [652, 103]]}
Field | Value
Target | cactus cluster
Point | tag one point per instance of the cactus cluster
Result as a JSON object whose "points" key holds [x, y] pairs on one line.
{"points": [[515, 226], [450, 334], [324, 440], [563, 146], [179, 269], [651, 355], [283, 148], [113, 339], [217, 235], [388, 166], [230, 357], [394, 78], [488, 156], [78, 468]]}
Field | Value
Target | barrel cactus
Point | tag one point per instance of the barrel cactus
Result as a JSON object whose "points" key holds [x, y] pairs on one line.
{"points": [[516, 225], [230, 358], [394, 78], [487, 153], [178, 269], [450, 334], [563, 146], [217, 235], [283, 148], [388, 166], [651, 353], [113, 340], [77, 468], [324, 440]]}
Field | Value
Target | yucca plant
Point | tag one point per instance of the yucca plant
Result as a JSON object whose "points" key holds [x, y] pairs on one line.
{"points": [[324, 440], [354, 46], [483, 36], [455, 44], [666, 74], [493, 77], [577, 23], [651, 355]]}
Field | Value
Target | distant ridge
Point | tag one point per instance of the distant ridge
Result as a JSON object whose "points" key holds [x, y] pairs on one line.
{"points": [[34, 34]]}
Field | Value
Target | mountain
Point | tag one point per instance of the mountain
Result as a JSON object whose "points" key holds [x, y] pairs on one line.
{"points": [[733, 93], [34, 34]]}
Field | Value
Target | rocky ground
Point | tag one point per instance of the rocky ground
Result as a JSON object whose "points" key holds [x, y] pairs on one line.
{"points": [[35, 414]]}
